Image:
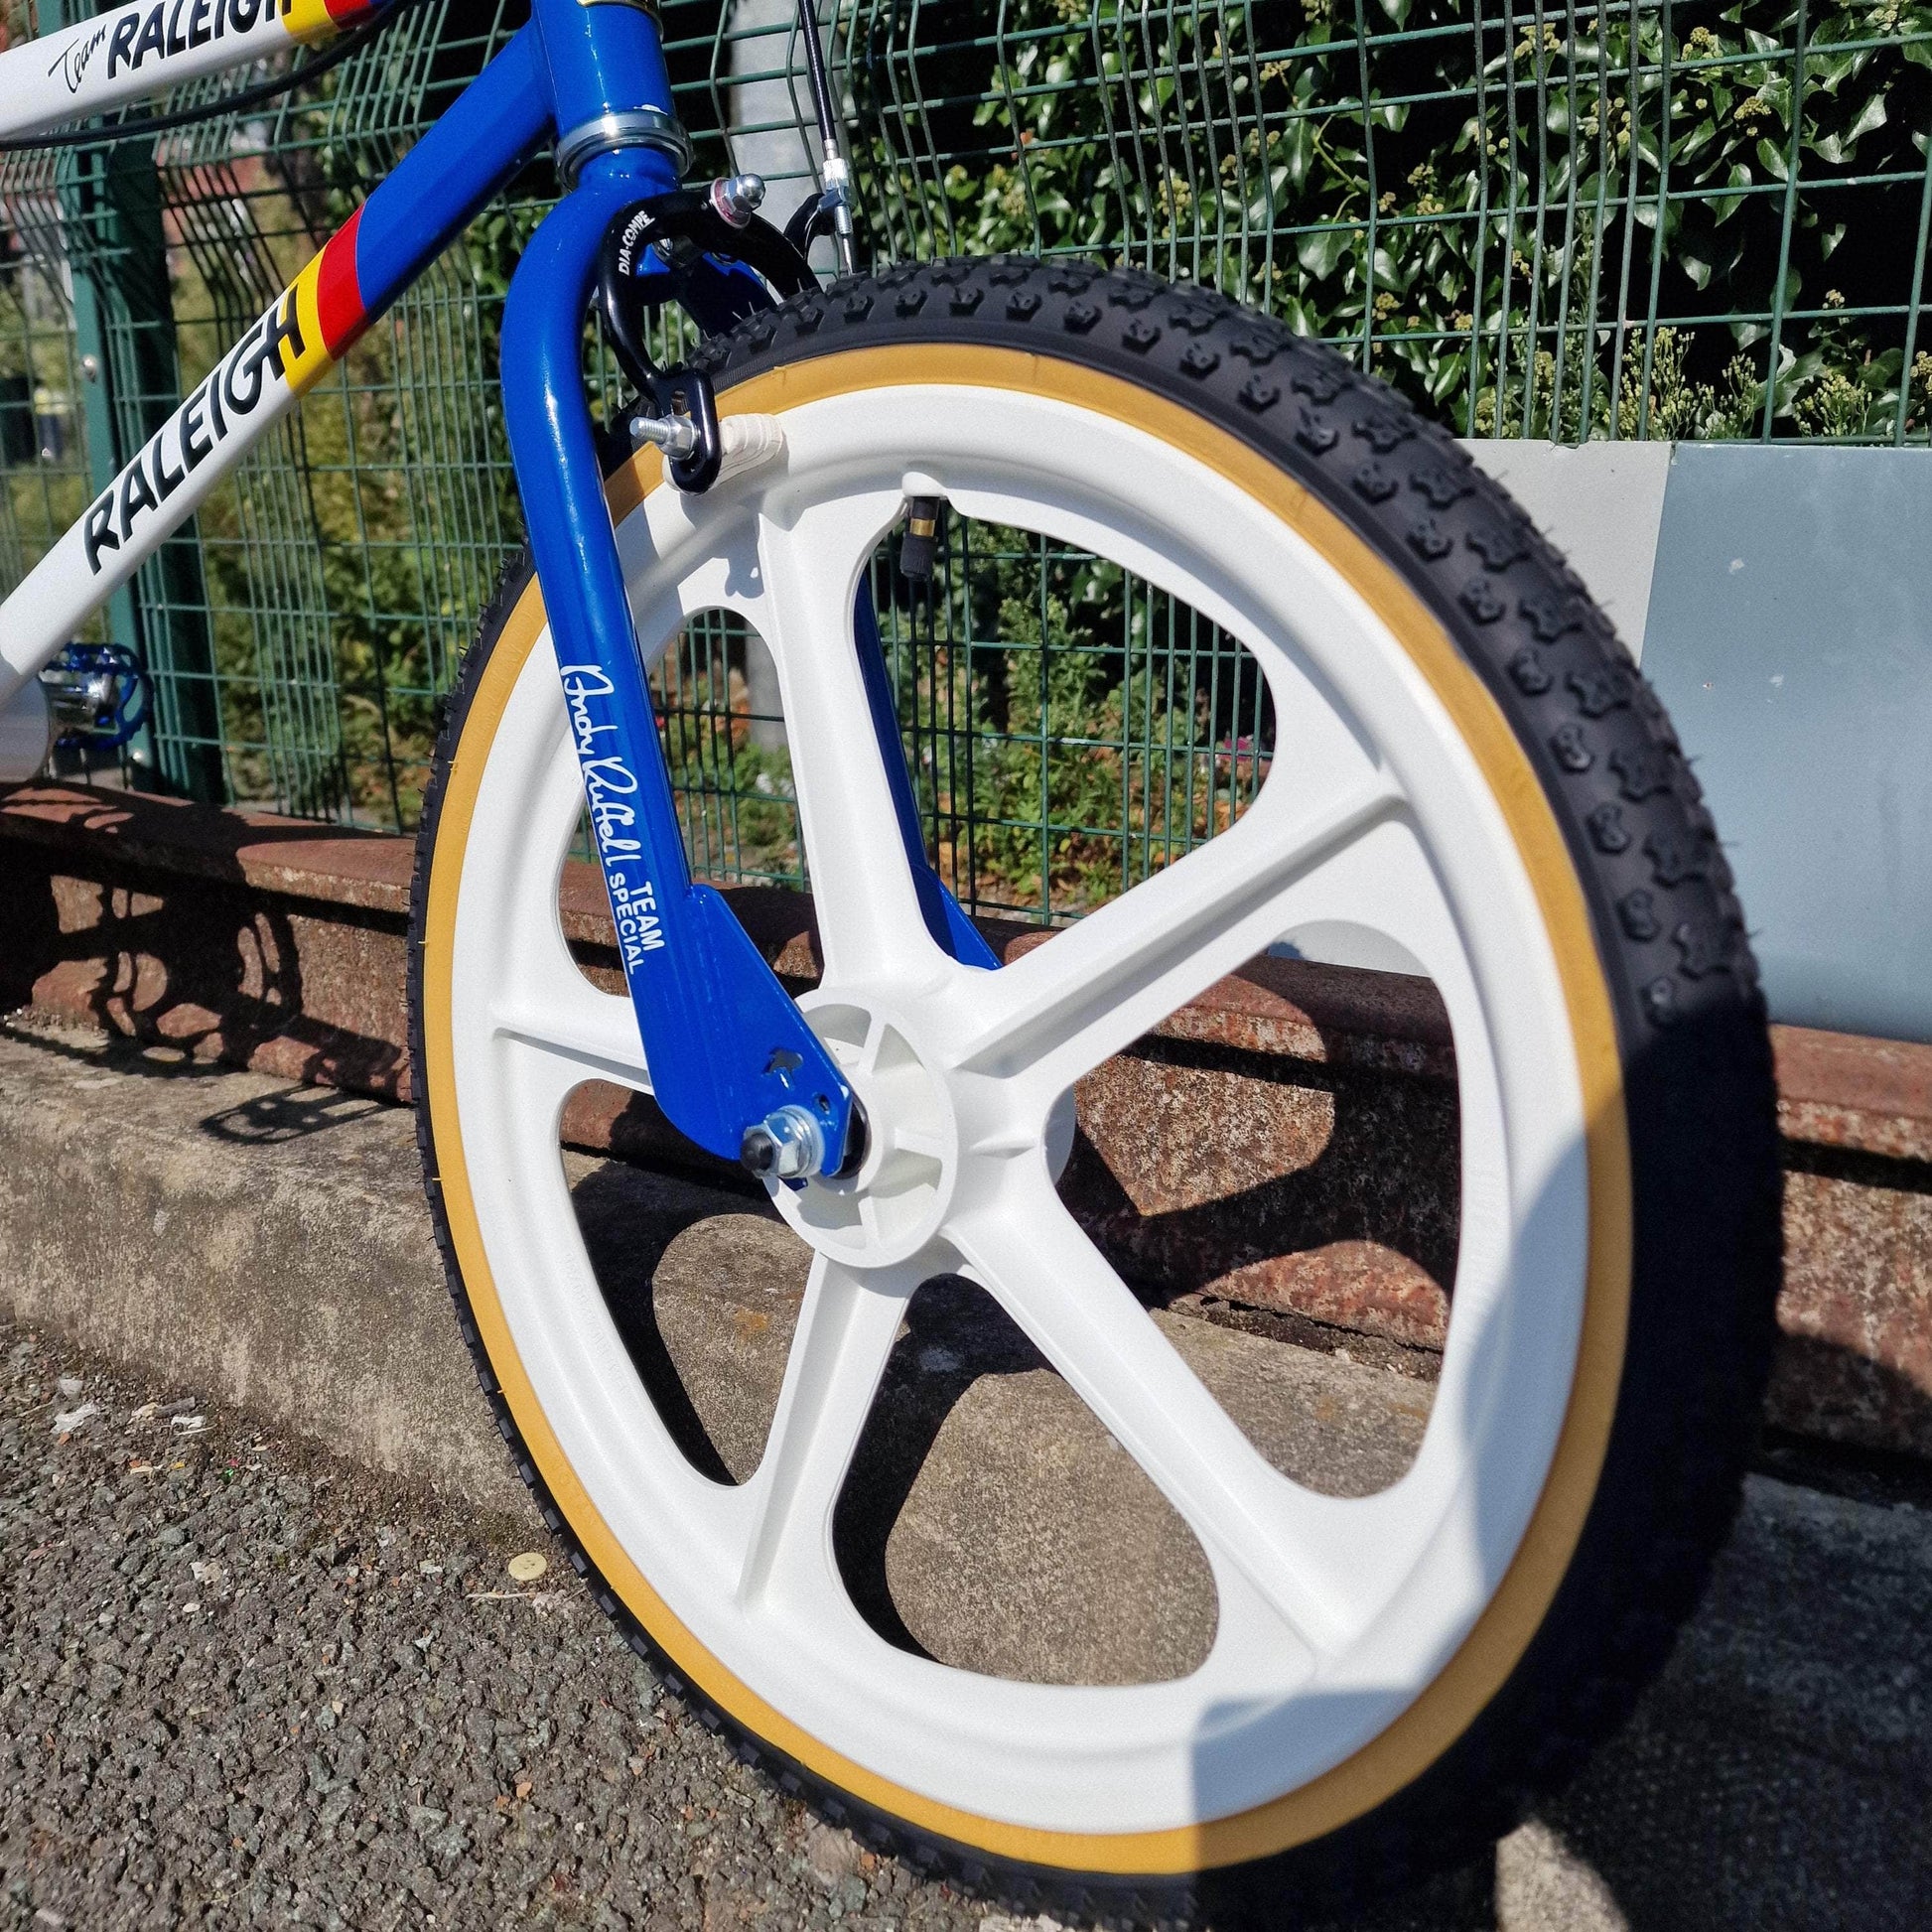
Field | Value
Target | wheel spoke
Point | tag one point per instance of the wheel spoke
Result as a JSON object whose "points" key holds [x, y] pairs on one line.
{"points": [[1284, 1541], [869, 919], [846, 1325], [582, 1034], [1062, 1008]]}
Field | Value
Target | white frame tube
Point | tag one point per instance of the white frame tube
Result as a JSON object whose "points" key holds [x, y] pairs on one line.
{"points": [[140, 50], [68, 75], [253, 386]]}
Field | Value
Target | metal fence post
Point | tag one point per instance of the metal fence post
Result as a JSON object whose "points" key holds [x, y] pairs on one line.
{"points": [[125, 338], [98, 428]]}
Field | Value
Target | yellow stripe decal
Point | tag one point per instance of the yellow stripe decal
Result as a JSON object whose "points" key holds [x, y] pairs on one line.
{"points": [[305, 370], [306, 20], [1472, 1678]]}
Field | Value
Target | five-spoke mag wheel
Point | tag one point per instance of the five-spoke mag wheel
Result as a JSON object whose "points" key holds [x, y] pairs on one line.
{"points": [[1414, 816]]}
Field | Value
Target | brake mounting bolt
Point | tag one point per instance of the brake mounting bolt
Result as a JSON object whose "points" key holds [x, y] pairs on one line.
{"points": [[735, 197]]}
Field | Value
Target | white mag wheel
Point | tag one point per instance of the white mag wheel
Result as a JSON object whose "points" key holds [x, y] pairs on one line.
{"points": [[1469, 782]]}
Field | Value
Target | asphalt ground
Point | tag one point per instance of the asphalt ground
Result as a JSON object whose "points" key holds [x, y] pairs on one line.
{"points": [[243, 1685]]}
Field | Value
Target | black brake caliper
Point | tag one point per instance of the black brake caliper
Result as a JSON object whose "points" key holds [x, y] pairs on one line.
{"points": [[680, 247]]}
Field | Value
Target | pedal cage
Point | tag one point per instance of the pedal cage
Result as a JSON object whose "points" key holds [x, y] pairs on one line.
{"points": [[100, 695]]}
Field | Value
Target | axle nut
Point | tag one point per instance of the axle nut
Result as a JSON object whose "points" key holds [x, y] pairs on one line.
{"points": [[787, 1145]]}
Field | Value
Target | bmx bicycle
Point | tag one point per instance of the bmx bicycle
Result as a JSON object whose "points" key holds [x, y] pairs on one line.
{"points": [[1467, 769]]}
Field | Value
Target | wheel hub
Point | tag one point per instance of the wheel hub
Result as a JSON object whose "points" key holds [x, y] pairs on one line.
{"points": [[892, 1205]]}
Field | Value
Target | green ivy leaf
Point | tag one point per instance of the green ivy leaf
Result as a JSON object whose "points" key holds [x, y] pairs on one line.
{"points": [[1726, 206], [1294, 313], [1261, 207], [1796, 371], [1872, 115], [1824, 72], [1321, 252], [1386, 273], [1686, 146], [1298, 150]]}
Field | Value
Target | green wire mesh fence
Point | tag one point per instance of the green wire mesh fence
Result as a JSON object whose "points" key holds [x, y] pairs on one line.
{"points": [[302, 635], [1583, 221], [1565, 221]]}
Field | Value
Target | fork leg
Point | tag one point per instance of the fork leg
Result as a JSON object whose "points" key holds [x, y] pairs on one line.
{"points": [[724, 1045], [944, 918]]}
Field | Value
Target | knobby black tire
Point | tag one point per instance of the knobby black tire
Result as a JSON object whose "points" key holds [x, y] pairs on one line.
{"points": [[1690, 1019]]}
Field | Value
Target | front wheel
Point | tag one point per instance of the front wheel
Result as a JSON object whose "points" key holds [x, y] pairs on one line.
{"points": [[1466, 778]]}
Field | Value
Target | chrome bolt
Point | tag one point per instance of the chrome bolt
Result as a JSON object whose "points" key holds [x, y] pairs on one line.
{"points": [[676, 436], [735, 198], [787, 1145]]}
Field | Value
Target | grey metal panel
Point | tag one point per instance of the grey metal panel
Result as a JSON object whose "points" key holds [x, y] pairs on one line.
{"points": [[1600, 504], [1790, 634]]}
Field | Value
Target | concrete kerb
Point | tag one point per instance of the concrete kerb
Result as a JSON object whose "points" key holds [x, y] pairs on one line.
{"points": [[270, 1246], [223, 1232]]}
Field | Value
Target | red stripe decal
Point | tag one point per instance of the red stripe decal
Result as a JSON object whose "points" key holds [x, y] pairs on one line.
{"points": [[343, 12], [339, 295]]}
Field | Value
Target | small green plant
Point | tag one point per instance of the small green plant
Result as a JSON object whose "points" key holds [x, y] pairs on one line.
{"points": [[1670, 405]]}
